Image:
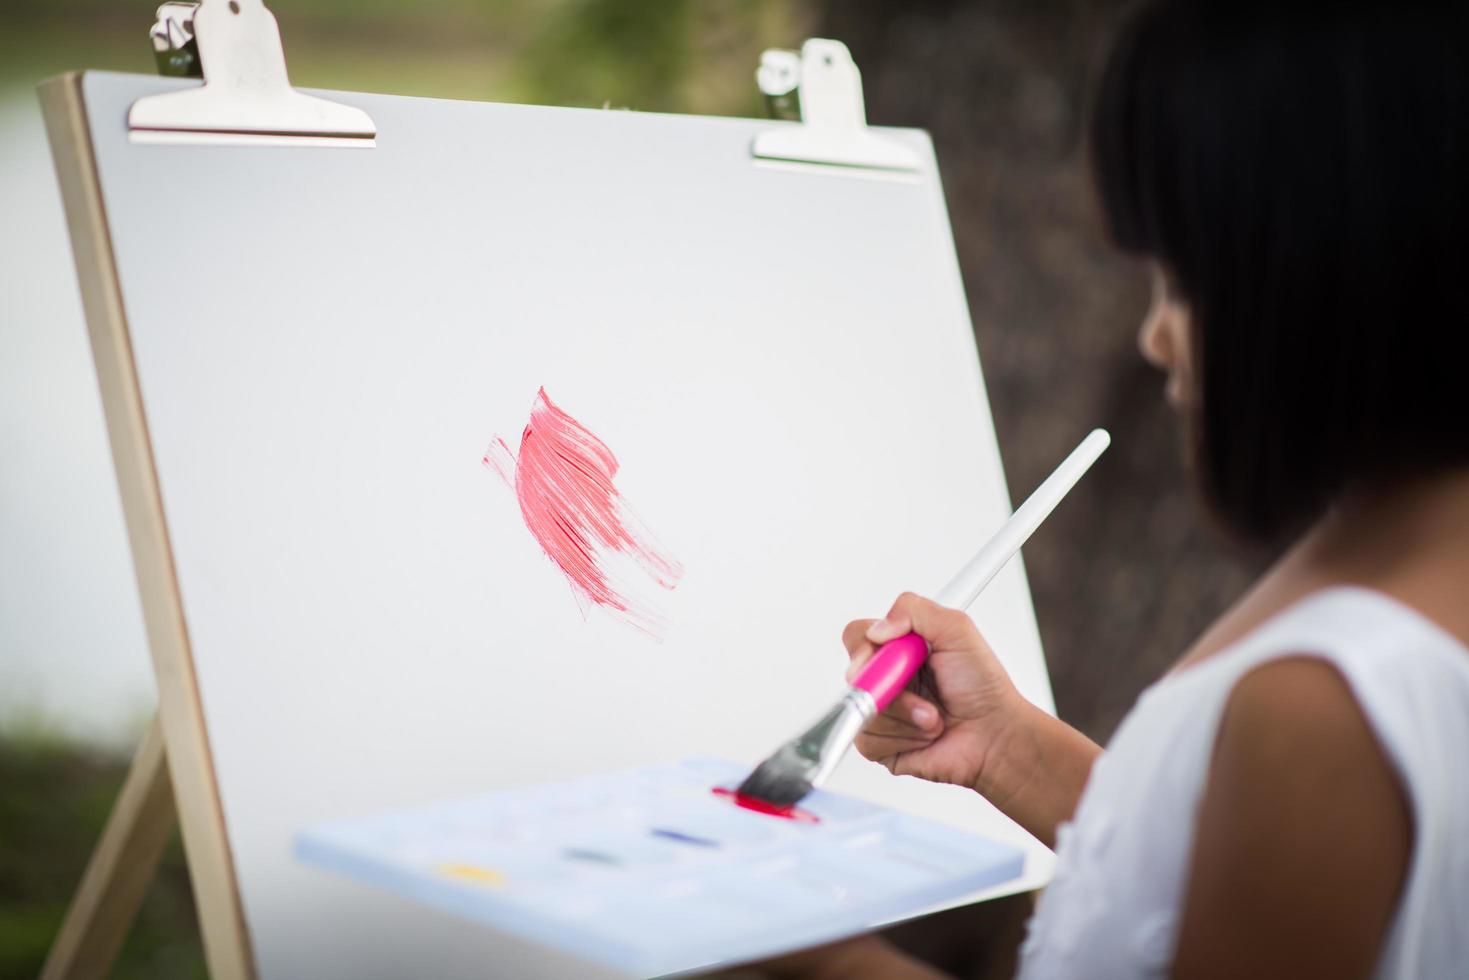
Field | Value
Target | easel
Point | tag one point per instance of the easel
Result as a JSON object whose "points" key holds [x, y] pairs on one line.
{"points": [[249, 100], [163, 783], [172, 774], [122, 866]]}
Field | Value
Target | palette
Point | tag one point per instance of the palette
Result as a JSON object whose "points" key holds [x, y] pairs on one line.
{"points": [[653, 870]]}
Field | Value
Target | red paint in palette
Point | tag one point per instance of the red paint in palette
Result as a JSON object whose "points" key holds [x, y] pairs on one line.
{"points": [[770, 809], [563, 478]]}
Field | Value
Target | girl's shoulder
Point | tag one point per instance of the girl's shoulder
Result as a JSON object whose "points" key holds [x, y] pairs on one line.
{"points": [[1303, 833], [1338, 654], [1404, 673], [1338, 657]]}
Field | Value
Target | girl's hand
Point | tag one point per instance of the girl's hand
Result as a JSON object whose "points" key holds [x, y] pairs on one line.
{"points": [[957, 708]]}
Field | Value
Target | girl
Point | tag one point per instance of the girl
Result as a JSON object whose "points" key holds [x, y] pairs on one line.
{"points": [[1292, 799]]}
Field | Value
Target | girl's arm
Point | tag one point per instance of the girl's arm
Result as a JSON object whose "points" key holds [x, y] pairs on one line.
{"points": [[1304, 834], [1036, 771]]}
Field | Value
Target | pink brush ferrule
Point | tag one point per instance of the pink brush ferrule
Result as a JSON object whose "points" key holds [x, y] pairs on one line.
{"points": [[891, 668]]}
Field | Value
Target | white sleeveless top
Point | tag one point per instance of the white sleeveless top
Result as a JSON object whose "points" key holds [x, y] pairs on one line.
{"points": [[1115, 904]]}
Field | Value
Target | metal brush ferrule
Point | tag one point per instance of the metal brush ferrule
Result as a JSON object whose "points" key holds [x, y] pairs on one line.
{"points": [[826, 742], [863, 702]]}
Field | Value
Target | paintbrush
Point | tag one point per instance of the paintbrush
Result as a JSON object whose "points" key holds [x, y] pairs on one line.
{"points": [[802, 763]]}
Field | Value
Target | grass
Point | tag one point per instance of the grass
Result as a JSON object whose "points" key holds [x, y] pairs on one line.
{"points": [[56, 799]]}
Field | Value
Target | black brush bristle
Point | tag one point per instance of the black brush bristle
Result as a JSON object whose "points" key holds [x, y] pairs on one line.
{"points": [[782, 780]]}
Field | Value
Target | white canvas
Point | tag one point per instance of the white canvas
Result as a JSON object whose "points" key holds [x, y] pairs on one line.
{"points": [[327, 340]]}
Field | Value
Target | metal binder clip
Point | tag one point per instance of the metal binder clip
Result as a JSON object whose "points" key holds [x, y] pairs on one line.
{"points": [[779, 78], [825, 87], [174, 47], [235, 45]]}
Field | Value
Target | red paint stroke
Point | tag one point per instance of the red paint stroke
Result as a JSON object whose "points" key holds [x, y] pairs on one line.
{"points": [[763, 806], [563, 478]]}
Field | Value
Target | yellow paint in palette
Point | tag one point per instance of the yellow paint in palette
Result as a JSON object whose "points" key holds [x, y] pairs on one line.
{"points": [[473, 874]]}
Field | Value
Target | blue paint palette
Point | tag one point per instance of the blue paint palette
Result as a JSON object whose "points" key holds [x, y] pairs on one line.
{"points": [[649, 872]]}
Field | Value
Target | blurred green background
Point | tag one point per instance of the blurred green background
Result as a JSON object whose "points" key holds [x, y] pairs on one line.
{"points": [[660, 55], [1123, 577]]}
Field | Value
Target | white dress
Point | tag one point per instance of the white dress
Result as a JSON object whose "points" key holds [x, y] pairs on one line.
{"points": [[1115, 904]]}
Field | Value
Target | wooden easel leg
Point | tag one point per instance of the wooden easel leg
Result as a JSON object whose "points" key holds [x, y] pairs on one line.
{"points": [[121, 868]]}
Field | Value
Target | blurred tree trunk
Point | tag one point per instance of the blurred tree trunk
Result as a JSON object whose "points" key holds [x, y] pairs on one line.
{"points": [[1128, 572]]}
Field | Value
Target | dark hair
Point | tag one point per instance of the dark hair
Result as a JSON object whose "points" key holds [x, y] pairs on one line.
{"points": [[1302, 173]]}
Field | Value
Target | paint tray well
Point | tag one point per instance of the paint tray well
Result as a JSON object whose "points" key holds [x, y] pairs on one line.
{"points": [[650, 872]]}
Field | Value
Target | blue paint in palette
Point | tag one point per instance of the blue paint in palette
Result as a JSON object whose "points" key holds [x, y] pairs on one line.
{"points": [[647, 871], [683, 838]]}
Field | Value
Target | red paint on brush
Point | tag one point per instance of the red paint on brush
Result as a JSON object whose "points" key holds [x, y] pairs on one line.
{"points": [[770, 809], [563, 478]]}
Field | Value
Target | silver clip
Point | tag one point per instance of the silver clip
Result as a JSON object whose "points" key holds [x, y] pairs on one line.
{"points": [[826, 90], [246, 96], [174, 47], [779, 78]]}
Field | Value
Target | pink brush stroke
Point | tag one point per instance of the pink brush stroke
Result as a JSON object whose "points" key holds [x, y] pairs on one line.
{"points": [[563, 479]]}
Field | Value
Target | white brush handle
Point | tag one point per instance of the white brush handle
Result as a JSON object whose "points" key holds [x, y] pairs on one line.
{"points": [[965, 587]]}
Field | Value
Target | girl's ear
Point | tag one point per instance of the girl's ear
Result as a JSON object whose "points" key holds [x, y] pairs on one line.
{"points": [[1164, 326]]}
